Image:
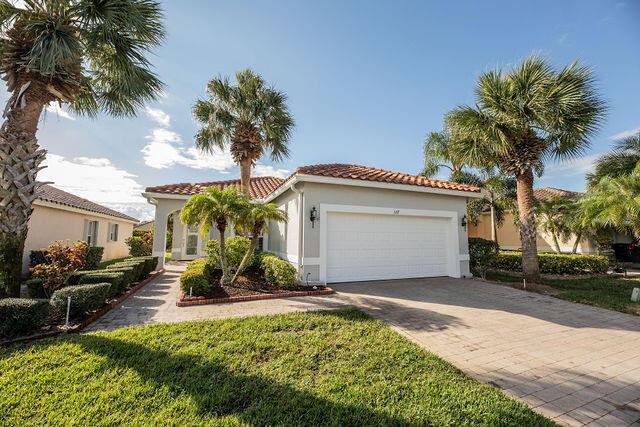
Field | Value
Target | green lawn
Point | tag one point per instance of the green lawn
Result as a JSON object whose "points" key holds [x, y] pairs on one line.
{"points": [[325, 368], [605, 292]]}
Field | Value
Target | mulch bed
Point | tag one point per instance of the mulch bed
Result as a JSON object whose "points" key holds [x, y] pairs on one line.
{"points": [[251, 286]]}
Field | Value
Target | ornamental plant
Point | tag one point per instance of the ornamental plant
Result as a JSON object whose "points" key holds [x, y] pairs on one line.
{"points": [[140, 243], [64, 260]]}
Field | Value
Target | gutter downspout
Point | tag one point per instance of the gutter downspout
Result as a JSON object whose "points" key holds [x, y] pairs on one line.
{"points": [[300, 194]]}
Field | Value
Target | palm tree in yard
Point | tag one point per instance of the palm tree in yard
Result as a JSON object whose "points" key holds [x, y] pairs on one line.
{"points": [[219, 208], [255, 219], [621, 161], [249, 117], [89, 54], [499, 195], [438, 154], [522, 118], [553, 217]]}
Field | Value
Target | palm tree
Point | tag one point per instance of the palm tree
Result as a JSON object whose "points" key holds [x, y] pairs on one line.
{"points": [[255, 218], [621, 161], [249, 117], [522, 118], [499, 196], [614, 202], [438, 154], [89, 54], [215, 207], [552, 216]]}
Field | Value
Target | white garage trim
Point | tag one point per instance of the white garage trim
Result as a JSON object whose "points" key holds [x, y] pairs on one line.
{"points": [[452, 249]]}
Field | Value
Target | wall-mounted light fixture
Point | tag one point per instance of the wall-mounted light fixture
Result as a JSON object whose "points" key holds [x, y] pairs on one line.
{"points": [[463, 223], [313, 216]]}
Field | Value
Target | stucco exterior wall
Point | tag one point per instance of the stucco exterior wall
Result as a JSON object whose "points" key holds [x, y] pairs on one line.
{"points": [[48, 224], [316, 194], [509, 236]]}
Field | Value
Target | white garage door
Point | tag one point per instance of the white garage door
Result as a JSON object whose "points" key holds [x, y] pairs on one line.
{"points": [[379, 247]]}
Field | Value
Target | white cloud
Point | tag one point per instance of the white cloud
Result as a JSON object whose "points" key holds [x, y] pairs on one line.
{"points": [[55, 108], [162, 153], [158, 116], [573, 167], [96, 179], [268, 170], [625, 134]]}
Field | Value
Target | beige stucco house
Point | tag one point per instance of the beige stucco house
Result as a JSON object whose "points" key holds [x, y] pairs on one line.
{"points": [[144, 226], [346, 223], [508, 234], [58, 215]]}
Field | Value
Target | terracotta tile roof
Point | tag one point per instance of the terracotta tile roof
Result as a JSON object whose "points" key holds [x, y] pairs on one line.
{"points": [[260, 186], [549, 193], [51, 194], [365, 173]]}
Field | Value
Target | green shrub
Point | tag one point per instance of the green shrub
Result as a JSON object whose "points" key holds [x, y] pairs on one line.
{"points": [[20, 316], [482, 254], [84, 299], [236, 248], [74, 278], [197, 277], [551, 263], [140, 243], [137, 265], [35, 288], [150, 263], [93, 258], [128, 274], [278, 272], [257, 258], [115, 279]]}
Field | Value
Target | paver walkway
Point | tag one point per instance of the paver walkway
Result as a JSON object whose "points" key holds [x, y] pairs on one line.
{"points": [[573, 363]]}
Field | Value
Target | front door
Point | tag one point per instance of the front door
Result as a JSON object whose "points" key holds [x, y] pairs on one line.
{"points": [[191, 243]]}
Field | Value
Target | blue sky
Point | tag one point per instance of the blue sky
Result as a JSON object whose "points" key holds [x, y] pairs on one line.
{"points": [[366, 81]]}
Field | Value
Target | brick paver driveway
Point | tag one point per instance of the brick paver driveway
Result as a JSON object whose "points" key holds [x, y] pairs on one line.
{"points": [[574, 363]]}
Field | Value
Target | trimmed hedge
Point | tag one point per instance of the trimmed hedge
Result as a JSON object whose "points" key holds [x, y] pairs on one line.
{"points": [[35, 288], [236, 247], [137, 265], [278, 271], [551, 263], [84, 299], [482, 254], [259, 256], [128, 273], [93, 258], [114, 279], [20, 316], [197, 277]]}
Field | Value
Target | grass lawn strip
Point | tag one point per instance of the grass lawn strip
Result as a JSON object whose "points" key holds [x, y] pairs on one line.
{"points": [[612, 293], [322, 368]]}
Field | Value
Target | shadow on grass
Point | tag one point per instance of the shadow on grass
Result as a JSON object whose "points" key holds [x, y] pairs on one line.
{"points": [[219, 392]]}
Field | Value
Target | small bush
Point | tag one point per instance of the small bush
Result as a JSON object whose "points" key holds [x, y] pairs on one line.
{"points": [[236, 248], [20, 316], [93, 257], [482, 254], [137, 265], [257, 258], [74, 278], [198, 276], [114, 279], [140, 243], [128, 275], [36, 289], [84, 299], [278, 272], [150, 263], [551, 263], [64, 259]]}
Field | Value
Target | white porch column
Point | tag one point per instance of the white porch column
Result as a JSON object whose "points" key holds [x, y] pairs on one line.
{"points": [[160, 233]]}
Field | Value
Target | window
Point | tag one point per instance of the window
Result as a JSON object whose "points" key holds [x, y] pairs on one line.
{"points": [[113, 232], [261, 243], [91, 232]]}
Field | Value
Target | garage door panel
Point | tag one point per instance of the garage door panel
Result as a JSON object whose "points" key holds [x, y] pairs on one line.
{"points": [[371, 246]]}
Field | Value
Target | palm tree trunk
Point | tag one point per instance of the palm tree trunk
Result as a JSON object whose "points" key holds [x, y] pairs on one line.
{"points": [[222, 228], [528, 232], [245, 176], [575, 244], [257, 230], [494, 226], [556, 242], [20, 159]]}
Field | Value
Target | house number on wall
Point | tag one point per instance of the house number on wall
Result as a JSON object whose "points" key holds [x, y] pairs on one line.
{"points": [[396, 212]]}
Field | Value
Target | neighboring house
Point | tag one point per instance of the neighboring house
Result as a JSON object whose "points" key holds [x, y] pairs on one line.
{"points": [[346, 223], [509, 235], [58, 215], [144, 226]]}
